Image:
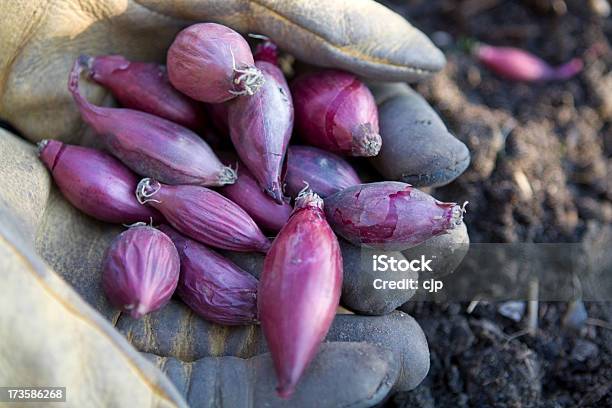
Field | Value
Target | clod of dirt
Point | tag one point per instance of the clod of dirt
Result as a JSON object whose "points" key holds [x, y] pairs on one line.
{"points": [[584, 350], [506, 377]]}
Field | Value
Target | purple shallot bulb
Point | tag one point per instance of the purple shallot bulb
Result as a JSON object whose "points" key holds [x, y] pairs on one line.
{"points": [[149, 145], [325, 172], [260, 129], [145, 87], [204, 215], [141, 270], [299, 290], [519, 65], [335, 111], [95, 182], [213, 286], [390, 215], [212, 63], [245, 192]]}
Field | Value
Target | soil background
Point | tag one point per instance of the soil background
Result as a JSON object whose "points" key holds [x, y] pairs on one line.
{"points": [[540, 172]]}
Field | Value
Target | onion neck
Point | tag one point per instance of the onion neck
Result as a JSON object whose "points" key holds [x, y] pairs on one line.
{"points": [[247, 81], [366, 142], [88, 110], [145, 191], [308, 198]]}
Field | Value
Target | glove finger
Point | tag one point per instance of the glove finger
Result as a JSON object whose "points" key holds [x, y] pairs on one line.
{"points": [[363, 37], [445, 251], [417, 148], [175, 331], [44, 321], [342, 374], [362, 290]]}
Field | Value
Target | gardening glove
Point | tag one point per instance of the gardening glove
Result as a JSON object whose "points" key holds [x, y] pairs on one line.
{"points": [[65, 333], [39, 42]]}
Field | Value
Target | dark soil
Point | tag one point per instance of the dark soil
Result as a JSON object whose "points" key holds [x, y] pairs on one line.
{"points": [[540, 172]]}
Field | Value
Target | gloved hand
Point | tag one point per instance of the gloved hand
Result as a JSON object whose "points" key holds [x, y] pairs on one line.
{"points": [[53, 336]]}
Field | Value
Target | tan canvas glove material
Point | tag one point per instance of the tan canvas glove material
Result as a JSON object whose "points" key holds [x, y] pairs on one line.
{"points": [[43, 317]]}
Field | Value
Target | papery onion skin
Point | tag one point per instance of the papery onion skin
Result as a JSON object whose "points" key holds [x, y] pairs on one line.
{"points": [[213, 286], [389, 215], [204, 215], [212, 63]]}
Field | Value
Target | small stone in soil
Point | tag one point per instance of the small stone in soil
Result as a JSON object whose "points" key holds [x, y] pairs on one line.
{"points": [[513, 310], [584, 350]]}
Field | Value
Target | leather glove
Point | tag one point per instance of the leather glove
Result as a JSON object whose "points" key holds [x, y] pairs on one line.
{"points": [[67, 334]]}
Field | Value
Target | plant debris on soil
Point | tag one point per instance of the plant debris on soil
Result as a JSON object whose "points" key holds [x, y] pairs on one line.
{"points": [[540, 172]]}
